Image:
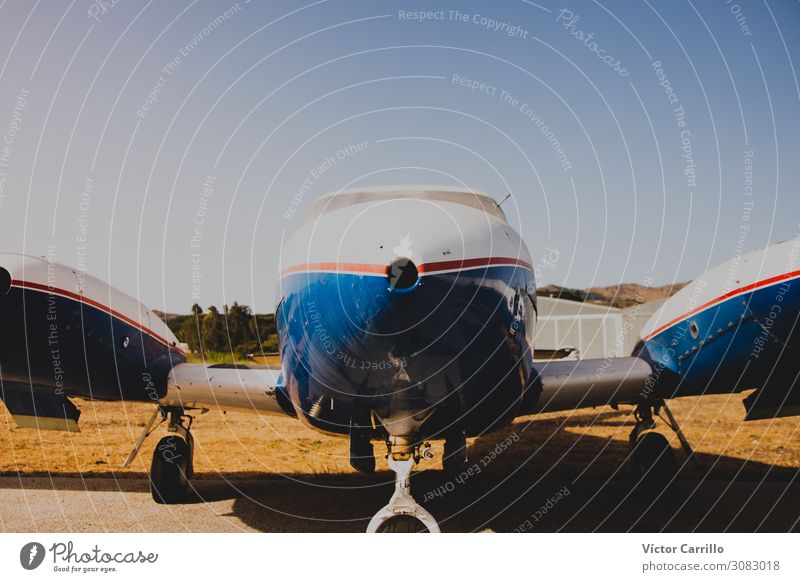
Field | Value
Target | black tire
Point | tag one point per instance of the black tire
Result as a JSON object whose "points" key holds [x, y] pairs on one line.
{"points": [[402, 524], [655, 468], [170, 470]]}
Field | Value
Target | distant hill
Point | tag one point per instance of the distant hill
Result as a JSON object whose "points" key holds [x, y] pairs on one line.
{"points": [[562, 293], [165, 316], [622, 295], [627, 294]]}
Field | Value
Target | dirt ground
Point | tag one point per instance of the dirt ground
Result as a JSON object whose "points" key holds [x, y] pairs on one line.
{"points": [[286, 477]]}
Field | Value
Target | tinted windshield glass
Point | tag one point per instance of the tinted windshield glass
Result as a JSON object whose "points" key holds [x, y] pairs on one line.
{"points": [[474, 200]]}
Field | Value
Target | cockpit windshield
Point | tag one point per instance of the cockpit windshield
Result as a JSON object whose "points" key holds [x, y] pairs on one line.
{"points": [[473, 199]]}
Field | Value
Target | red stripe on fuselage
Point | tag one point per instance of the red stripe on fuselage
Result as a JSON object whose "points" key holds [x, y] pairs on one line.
{"points": [[469, 263], [83, 299], [425, 268], [336, 268], [721, 298]]}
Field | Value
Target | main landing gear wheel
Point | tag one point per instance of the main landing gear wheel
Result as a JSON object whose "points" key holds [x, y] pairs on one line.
{"points": [[655, 466], [171, 468], [402, 514]]}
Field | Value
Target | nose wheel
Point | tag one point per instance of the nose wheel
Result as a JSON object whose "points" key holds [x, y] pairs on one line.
{"points": [[402, 514]]}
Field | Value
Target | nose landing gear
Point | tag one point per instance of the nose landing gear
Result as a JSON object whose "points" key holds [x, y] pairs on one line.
{"points": [[403, 514]]}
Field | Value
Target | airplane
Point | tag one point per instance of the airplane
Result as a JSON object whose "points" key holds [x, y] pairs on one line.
{"points": [[404, 315]]}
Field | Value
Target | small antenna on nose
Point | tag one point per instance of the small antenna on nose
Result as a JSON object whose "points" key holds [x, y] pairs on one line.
{"points": [[503, 200]]}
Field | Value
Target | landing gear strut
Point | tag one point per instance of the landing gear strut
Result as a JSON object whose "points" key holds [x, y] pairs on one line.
{"points": [[171, 468], [402, 514], [655, 467]]}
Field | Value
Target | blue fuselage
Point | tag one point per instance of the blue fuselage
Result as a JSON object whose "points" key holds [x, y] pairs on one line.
{"points": [[458, 345], [750, 339]]}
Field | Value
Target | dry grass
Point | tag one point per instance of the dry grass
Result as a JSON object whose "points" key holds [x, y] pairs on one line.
{"points": [[589, 442]]}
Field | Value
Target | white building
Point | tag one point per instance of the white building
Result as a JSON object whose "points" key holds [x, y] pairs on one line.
{"points": [[589, 330]]}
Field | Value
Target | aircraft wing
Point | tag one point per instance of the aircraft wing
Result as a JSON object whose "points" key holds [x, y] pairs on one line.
{"points": [[193, 386], [570, 384]]}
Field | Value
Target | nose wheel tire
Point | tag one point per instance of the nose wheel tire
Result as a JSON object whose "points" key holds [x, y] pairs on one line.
{"points": [[402, 524], [402, 514], [170, 470]]}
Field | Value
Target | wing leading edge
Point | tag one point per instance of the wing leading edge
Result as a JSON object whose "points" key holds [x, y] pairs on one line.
{"points": [[567, 385], [193, 386]]}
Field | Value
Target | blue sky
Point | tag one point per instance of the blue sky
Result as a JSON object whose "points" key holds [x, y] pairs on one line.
{"points": [[129, 123]]}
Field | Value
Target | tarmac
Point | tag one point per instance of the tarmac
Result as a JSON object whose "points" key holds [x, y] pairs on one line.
{"points": [[345, 504]]}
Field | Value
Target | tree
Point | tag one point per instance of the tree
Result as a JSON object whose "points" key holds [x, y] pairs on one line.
{"points": [[190, 333], [213, 332], [239, 331], [241, 327]]}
